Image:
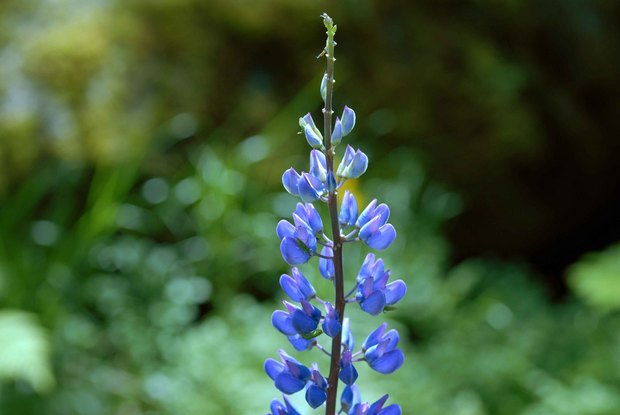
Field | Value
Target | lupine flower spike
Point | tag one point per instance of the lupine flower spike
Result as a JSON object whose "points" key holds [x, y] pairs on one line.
{"points": [[306, 317]]}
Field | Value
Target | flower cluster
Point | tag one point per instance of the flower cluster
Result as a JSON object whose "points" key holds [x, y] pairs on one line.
{"points": [[305, 316]]}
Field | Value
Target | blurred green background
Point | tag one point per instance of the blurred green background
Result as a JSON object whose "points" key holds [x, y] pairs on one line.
{"points": [[141, 149]]}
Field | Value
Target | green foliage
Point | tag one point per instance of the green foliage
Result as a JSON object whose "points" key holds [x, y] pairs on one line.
{"points": [[596, 278], [25, 350]]}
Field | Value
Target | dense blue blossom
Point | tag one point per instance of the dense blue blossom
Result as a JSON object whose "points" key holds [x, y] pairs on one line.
{"points": [[300, 239], [380, 350]]}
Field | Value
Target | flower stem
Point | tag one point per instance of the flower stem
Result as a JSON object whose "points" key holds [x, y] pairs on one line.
{"points": [[332, 203]]}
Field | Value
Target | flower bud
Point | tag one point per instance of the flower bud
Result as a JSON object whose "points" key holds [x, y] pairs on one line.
{"points": [[337, 133], [348, 210], [348, 120], [313, 135], [323, 89]]}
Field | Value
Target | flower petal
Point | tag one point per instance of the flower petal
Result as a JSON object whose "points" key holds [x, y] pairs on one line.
{"points": [[282, 321], [285, 228], [290, 180], [389, 362], [391, 410], [293, 252], [374, 304], [273, 368], [326, 266], [287, 383], [394, 291], [374, 337], [381, 239], [348, 120], [315, 396]]}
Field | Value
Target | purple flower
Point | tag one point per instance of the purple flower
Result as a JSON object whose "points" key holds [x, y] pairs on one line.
{"points": [[353, 164], [297, 287], [289, 376], [375, 409], [316, 393], [277, 408], [326, 265], [348, 373], [380, 350], [331, 325], [374, 229], [348, 210]]}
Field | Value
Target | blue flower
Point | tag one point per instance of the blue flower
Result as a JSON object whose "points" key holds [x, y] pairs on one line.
{"points": [[300, 343], [348, 373], [337, 133], [297, 287], [326, 265], [277, 408], [348, 120], [380, 350], [312, 133], [298, 243], [347, 337], [306, 215], [308, 187], [374, 293], [375, 409], [316, 393], [353, 164], [289, 376], [348, 210], [331, 325], [318, 168], [297, 320], [349, 398], [374, 229]]}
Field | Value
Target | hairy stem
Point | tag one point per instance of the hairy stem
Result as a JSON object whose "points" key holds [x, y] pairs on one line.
{"points": [[332, 204]]}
